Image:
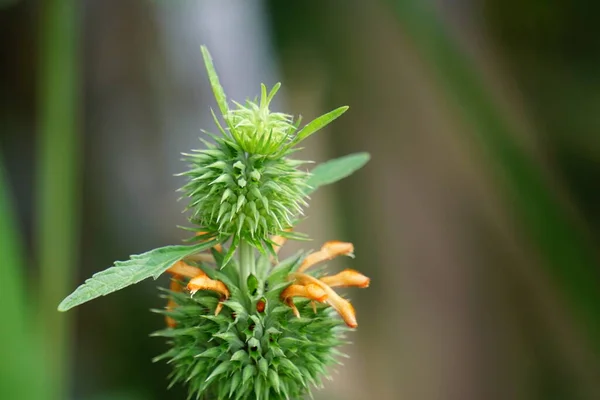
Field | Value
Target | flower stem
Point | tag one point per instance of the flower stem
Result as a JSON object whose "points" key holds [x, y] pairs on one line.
{"points": [[247, 263]]}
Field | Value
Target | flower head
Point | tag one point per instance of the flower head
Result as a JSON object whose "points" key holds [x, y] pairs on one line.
{"points": [[271, 339], [244, 185]]}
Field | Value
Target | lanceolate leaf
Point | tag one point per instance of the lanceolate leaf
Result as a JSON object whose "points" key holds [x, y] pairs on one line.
{"points": [[317, 124], [214, 81], [125, 273], [335, 170]]}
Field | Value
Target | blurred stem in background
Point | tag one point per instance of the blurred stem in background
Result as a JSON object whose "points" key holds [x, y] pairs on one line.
{"points": [[21, 375], [562, 245], [58, 189]]}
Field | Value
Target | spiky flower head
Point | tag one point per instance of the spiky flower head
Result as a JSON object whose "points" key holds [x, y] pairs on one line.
{"points": [[244, 185], [269, 336]]}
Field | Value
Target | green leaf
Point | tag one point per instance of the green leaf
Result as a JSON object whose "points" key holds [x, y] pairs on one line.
{"points": [[317, 124], [335, 170], [125, 273], [214, 81]]}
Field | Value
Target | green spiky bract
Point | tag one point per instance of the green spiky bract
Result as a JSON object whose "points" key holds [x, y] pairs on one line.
{"points": [[243, 196], [244, 186], [246, 354]]}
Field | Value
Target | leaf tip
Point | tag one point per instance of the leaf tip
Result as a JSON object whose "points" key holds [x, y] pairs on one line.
{"points": [[64, 306]]}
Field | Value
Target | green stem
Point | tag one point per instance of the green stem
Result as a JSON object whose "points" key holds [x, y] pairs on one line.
{"points": [[57, 191], [247, 263]]}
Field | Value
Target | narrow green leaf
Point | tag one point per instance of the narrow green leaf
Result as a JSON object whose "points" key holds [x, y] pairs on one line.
{"points": [[317, 124], [335, 170], [125, 273], [214, 81]]}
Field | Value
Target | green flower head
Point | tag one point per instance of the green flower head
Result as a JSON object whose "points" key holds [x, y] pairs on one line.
{"points": [[244, 185]]}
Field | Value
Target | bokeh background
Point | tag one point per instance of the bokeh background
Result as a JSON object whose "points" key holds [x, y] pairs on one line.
{"points": [[478, 218]]}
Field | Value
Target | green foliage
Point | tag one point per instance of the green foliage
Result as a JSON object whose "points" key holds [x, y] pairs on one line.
{"points": [[246, 354], [318, 124], [125, 273], [334, 170]]}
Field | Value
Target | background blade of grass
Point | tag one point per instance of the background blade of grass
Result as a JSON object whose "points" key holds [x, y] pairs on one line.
{"points": [[566, 251], [19, 367], [57, 174]]}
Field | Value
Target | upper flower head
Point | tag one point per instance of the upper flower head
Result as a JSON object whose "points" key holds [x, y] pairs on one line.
{"points": [[244, 186]]}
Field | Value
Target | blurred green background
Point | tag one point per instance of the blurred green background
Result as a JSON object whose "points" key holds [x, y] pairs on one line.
{"points": [[478, 218]]}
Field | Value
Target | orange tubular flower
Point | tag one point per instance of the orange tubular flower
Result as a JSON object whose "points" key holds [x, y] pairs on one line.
{"points": [[329, 251], [199, 281], [180, 268], [310, 291], [347, 278], [341, 305], [203, 282]]}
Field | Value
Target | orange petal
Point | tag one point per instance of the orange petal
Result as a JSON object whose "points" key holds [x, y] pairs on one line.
{"points": [[310, 291], [171, 304], [203, 282], [347, 277], [217, 247], [291, 304], [345, 309], [329, 250], [341, 305], [183, 269]]}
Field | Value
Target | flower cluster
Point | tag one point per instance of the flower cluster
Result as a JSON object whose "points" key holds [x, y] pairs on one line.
{"points": [[253, 328], [271, 338]]}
